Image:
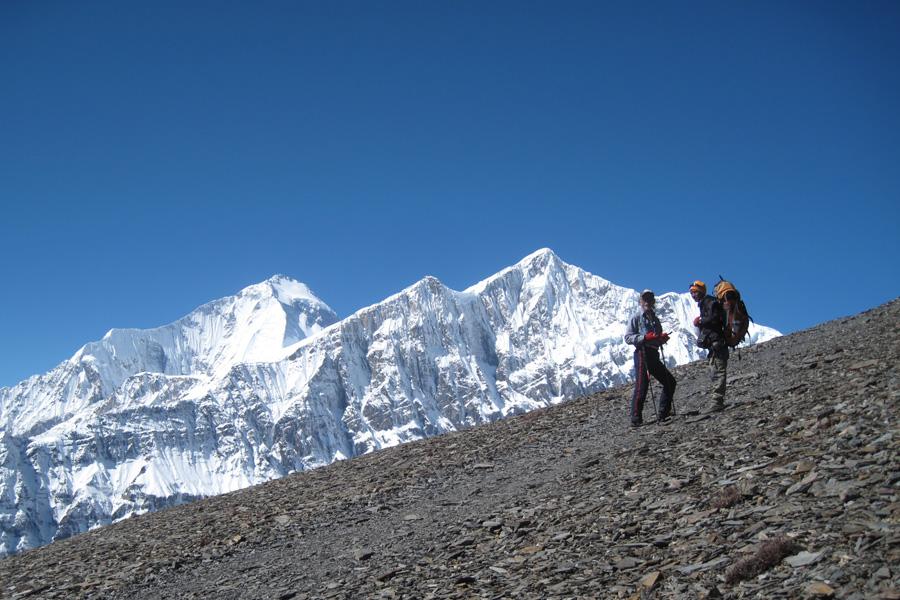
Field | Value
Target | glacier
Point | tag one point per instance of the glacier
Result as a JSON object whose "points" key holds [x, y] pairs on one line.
{"points": [[268, 382]]}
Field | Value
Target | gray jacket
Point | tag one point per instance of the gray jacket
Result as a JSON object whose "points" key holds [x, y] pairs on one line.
{"points": [[640, 325]]}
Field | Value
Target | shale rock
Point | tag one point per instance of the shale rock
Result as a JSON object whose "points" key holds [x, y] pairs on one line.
{"points": [[563, 502]]}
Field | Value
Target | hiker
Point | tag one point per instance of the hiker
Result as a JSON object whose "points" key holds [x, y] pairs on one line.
{"points": [[737, 319], [645, 333], [711, 337]]}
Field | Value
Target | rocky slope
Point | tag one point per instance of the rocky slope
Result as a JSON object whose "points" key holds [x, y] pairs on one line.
{"points": [[792, 492], [252, 387]]}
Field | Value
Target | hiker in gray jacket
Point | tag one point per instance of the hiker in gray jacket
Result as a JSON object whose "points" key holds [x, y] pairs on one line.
{"points": [[645, 333]]}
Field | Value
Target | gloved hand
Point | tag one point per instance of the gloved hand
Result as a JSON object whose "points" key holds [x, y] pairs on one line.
{"points": [[697, 321], [652, 339], [664, 338]]}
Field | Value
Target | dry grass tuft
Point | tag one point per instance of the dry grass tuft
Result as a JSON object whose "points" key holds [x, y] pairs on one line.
{"points": [[768, 555], [727, 498]]}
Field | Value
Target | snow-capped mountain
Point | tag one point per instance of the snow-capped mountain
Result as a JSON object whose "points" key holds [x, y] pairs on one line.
{"points": [[252, 387]]}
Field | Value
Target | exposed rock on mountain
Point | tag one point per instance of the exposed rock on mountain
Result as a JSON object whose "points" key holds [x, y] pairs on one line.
{"points": [[792, 492]]}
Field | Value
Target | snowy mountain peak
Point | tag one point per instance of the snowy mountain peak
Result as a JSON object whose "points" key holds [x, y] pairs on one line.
{"points": [[427, 286], [285, 289], [536, 263], [540, 270], [541, 257], [255, 325], [540, 252], [430, 284]]}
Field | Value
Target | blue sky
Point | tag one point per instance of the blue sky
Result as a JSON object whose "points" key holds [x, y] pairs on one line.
{"points": [[155, 156]]}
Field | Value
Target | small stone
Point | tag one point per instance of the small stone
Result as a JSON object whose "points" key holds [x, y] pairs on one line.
{"points": [[825, 413], [388, 574], [851, 528], [802, 485], [649, 580], [804, 466], [362, 554], [863, 365], [803, 559], [820, 590], [464, 541], [848, 494], [850, 432], [627, 563]]}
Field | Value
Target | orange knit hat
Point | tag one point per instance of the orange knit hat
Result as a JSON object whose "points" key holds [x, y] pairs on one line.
{"points": [[699, 285], [723, 287]]}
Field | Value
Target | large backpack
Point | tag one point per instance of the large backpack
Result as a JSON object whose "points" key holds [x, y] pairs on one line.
{"points": [[737, 317]]}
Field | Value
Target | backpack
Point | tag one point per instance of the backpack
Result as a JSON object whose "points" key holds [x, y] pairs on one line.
{"points": [[715, 332], [737, 317]]}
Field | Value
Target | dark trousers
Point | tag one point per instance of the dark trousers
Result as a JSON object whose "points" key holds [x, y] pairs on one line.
{"points": [[645, 360]]}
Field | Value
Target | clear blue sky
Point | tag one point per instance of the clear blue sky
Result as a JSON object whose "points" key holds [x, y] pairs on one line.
{"points": [[158, 155]]}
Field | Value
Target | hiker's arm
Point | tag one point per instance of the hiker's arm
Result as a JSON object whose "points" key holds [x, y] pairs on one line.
{"points": [[632, 335]]}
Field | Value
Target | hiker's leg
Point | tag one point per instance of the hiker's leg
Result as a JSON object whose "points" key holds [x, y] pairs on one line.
{"points": [[720, 378], [662, 375], [668, 393], [640, 388]]}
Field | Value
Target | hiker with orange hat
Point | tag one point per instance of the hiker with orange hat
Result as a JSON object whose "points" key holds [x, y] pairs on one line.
{"points": [[737, 319], [711, 337], [645, 333]]}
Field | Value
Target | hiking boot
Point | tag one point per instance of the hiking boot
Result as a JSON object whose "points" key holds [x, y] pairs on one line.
{"points": [[636, 424], [718, 407]]}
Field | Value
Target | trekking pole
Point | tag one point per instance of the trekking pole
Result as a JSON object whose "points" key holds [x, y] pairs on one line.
{"points": [[649, 386]]}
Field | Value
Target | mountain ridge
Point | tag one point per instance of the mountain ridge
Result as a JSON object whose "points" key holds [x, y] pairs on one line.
{"points": [[226, 391], [564, 501]]}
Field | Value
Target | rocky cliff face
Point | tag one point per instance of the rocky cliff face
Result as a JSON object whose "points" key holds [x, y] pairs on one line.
{"points": [[250, 388]]}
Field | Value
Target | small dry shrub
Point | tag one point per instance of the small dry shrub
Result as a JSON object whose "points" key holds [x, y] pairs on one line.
{"points": [[769, 554], [727, 498]]}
